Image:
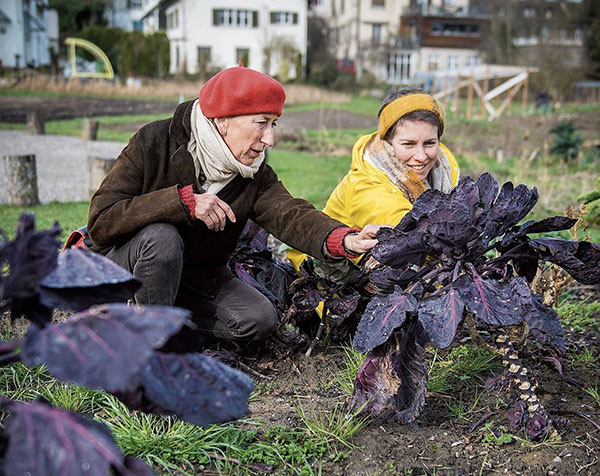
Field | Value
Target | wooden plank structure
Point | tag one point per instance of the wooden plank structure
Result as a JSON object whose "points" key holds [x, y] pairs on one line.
{"points": [[506, 82]]}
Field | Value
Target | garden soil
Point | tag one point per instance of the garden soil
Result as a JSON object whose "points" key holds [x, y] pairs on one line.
{"points": [[439, 442]]}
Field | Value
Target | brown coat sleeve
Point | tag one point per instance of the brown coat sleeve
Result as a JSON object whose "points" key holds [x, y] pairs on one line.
{"points": [[132, 197], [294, 221]]}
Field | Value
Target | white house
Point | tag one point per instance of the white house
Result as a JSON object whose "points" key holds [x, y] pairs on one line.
{"points": [[400, 41], [28, 32], [125, 14], [209, 35]]}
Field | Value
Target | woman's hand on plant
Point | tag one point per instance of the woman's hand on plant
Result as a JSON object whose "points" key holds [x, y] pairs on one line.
{"points": [[212, 211], [359, 243]]}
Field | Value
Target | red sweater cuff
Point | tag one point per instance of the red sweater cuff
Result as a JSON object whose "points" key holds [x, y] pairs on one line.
{"points": [[335, 242], [186, 194]]}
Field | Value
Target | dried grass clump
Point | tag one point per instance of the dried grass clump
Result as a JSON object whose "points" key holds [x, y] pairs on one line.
{"points": [[167, 88]]}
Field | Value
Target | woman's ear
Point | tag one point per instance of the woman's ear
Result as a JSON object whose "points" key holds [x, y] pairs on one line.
{"points": [[221, 124]]}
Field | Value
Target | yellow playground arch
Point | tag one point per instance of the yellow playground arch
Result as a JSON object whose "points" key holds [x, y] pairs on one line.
{"points": [[96, 52]]}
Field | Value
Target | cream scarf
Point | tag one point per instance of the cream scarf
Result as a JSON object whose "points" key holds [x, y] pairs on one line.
{"points": [[212, 156], [381, 154]]}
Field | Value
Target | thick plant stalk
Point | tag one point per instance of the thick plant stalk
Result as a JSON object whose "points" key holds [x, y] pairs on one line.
{"points": [[319, 332], [527, 389]]}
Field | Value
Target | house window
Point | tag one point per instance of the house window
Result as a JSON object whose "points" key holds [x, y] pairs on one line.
{"points": [[342, 5], [378, 3], [284, 18], [454, 29], [452, 62], [243, 55], [472, 60], [173, 20], [203, 57], [376, 33], [229, 17], [529, 12], [433, 61], [398, 68]]}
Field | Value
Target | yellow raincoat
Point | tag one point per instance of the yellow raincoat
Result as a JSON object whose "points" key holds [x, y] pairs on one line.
{"points": [[366, 195]]}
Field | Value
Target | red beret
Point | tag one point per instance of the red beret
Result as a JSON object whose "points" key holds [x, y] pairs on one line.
{"points": [[237, 91]]}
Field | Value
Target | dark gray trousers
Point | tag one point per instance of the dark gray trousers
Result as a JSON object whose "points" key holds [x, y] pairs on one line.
{"points": [[155, 257]]}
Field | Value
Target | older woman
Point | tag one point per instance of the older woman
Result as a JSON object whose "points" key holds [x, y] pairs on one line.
{"points": [[394, 165], [172, 208]]}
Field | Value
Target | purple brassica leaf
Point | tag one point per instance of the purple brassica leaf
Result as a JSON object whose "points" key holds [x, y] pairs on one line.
{"points": [[557, 223], [195, 387], [537, 427], [510, 207], [488, 300], [104, 347], [385, 278], [383, 315], [488, 189], [376, 382], [543, 321], [305, 296], [440, 316], [47, 441], [344, 303], [427, 203], [581, 259], [517, 414], [410, 366], [401, 249], [451, 237], [253, 263], [29, 258], [82, 279]]}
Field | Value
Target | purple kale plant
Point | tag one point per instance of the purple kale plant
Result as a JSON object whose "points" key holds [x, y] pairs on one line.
{"points": [[456, 257], [126, 350]]}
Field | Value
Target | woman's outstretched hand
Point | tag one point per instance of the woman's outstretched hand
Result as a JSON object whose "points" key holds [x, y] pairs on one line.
{"points": [[359, 243]]}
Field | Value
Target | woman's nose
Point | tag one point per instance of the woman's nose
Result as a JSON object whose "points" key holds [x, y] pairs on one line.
{"points": [[268, 137], [420, 153]]}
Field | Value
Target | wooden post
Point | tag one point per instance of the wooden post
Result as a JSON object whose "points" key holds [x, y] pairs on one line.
{"points": [[89, 129], [97, 169], [445, 89], [21, 180], [524, 97], [470, 96], [35, 123], [457, 97], [485, 89]]}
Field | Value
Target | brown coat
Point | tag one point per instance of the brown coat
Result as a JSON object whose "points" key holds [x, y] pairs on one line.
{"points": [[141, 189]]}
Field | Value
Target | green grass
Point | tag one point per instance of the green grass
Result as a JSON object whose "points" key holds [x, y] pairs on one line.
{"points": [[333, 427], [357, 105], [70, 215], [594, 393], [585, 357], [176, 447], [579, 316], [352, 361], [307, 176], [462, 363]]}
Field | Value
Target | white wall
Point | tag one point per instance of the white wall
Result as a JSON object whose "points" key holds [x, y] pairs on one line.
{"points": [[32, 47], [194, 28]]}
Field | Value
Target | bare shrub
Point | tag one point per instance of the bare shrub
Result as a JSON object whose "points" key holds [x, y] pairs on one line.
{"points": [[170, 88]]}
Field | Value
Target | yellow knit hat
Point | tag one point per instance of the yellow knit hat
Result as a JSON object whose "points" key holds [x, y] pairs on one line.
{"points": [[403, 105]]}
